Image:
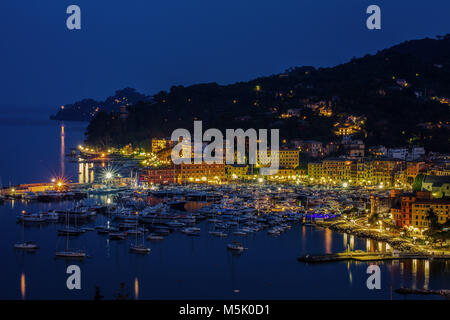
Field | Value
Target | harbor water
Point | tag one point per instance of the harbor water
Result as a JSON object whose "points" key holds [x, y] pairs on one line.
{"points": [[180, 266]]}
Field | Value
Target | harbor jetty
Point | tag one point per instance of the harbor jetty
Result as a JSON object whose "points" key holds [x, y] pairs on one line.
{"points": [[401, 244], [364, 256], [405, 291], [45, 192]]}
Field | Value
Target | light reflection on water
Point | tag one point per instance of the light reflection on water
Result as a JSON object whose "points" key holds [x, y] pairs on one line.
{"points": [[22, 286], [180, 266], [328, 240], [62, 152], [186, 267], [36, 147], [136, 288]]}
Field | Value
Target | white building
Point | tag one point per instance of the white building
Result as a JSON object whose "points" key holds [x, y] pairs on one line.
{"points": [[397, 153], [415, 153], [409, 154]]}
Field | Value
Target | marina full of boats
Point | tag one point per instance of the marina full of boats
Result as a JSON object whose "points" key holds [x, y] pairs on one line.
{"points": [[232, 212]]}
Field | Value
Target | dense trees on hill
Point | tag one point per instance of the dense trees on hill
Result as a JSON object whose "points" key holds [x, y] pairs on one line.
{"points": [[400, 92]]}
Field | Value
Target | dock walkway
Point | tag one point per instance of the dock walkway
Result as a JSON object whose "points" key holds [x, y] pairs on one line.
{"points": [[366, 256]]}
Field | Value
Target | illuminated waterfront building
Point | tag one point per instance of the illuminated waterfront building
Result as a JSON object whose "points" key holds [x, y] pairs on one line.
{"points": [[159, 144], [339, 169], [286, 174], [420, 212], [236, 171], [161, 175], [412, 210], [203, 172], [314, 170], [383, 170], [288, 158], [184, 173]]}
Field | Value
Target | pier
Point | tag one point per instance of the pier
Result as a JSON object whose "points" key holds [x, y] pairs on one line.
{"points": [[44, 192], [366, 257]]}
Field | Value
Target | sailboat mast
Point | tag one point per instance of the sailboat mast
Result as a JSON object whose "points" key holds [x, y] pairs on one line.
{"points": [[67, 231], [136, 229], [23, 230]]}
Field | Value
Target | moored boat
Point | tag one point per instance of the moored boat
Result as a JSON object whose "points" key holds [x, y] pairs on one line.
{"points": [[191, 231], [139, 248], [71, 254], [240, 233], [117, 236], [175, 224], [218, 234], [236, 246], [71, 231], [26, 245], [154, 237]]}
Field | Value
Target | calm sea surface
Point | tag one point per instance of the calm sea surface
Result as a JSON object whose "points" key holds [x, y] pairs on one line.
{"points": [[180, 267]]}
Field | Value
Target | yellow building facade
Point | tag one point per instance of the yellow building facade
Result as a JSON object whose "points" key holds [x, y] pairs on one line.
{"points": [[420, 212], [286, 158]]}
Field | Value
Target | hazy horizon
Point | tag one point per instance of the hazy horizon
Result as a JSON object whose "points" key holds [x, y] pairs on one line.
{"points": [[153, 46]]}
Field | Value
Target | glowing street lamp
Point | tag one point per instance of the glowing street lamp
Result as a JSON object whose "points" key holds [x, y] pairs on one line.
{"points": [[108, 174]]}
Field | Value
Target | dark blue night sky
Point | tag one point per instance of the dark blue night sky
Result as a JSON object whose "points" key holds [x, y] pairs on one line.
{"points": [[152, 45]]}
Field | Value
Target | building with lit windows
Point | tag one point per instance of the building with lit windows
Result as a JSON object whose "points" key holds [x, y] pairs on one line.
{"points": [[383, 171], [236, 171], [439, 186], [161, 175], [339, 169], [159, 144], [314, 170], [288, 158], [412, 210], [420, 212], [203, 172]]}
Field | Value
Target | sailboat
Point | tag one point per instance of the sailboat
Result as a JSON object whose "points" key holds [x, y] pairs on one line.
{"points": [[73, 231], [216, 233], [70, 253], [236, 246], [25, 245], [139, 248]]}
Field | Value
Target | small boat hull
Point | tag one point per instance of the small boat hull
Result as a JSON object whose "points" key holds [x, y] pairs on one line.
{"points": [[70, 254], [155, 238], [26, 246], [139, 249]]}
